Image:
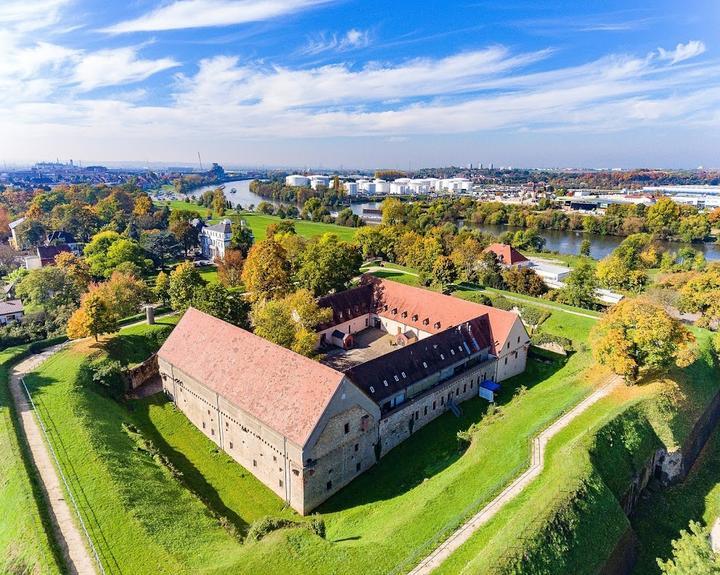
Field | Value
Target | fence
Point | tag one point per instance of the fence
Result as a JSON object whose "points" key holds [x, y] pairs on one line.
{"points": [[64, 479]]}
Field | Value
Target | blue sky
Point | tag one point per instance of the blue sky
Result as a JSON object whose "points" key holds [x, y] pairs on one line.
{"points": [[362, 83]]}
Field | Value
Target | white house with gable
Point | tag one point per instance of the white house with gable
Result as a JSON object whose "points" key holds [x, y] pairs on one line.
{"points": [[215, 239]]}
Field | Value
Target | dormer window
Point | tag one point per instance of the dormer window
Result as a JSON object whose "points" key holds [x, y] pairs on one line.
{"points": [[415, 317], [403, 374], [452, 351], [442, 356], [404, 314], [396, 378], [425, 365], [426, 321], [372, 389], [385, 382], [394, 311], [437, 325]]}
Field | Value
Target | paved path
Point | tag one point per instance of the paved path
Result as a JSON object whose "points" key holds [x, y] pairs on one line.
{"points": [[537, 463], [68, 536]]}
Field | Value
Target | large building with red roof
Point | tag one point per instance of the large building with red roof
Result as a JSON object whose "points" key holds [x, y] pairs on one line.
{"points": [[508, 256], [306, 428]]}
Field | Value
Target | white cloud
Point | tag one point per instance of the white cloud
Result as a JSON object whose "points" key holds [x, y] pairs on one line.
{"points": [[182, 14], [27, 15], [352, 39], [682, 52], [116, 67]]}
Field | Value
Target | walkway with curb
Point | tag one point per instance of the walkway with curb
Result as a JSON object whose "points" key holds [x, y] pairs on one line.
{"points": [[68, 536], [537, 464]]}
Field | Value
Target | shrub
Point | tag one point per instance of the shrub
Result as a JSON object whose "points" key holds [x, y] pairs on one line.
{"points": [[266, 525], [104, 373], [541, 338]]}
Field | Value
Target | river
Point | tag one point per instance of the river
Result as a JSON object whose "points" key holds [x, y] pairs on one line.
{"points": [[557, 241]]}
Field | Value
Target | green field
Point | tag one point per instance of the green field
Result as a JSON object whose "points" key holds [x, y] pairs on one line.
{"points": [[25, 545], [147, 520], [258, 224]]}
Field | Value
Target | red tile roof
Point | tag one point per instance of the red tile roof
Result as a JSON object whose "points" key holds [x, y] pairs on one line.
{"points": [[433, 312], [284, 390], [506, 254]]}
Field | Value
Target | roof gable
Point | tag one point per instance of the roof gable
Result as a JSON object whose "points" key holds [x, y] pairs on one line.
{"points": [[506, 254], [286, 391]]}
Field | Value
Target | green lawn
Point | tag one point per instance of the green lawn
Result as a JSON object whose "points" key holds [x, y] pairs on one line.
{"points": [[569, 519], [148, 521], [209, 274], [25, 545], [185, 206], [258, 224]]}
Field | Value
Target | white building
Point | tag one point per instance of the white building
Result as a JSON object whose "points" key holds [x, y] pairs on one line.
{"points": [[351, 188], [297, 180], [319, 181], [11, 311], [13, 225], [214, 240]]}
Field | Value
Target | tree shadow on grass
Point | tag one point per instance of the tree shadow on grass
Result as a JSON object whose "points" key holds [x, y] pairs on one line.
{"points": [[192, 476], [429, 450]]}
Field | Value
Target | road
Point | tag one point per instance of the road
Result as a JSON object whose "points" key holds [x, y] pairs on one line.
{"points": [[537, 464], [69, 537]]}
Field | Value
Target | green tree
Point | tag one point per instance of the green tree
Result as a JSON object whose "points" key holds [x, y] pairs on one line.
{"points": [[162, 288], [219, 202], [692, 554], [225, 304], [694, 228], [580, 286], [242, 238], [585, 247], [444, 272], [524, 280], [329, 264], [49, 287], [636, 335], [663, 217], [613, 273], [266, 273], [376, 241], [489, 271], [393, 211], [185, 281], [30, 233]]}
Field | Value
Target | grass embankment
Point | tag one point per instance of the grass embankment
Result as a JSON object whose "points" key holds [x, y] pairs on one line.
{"points": [[147, 520], [25, 544], [569, 520]]}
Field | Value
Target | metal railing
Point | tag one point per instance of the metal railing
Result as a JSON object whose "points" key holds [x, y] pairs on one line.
{"points": [[64, 479]]}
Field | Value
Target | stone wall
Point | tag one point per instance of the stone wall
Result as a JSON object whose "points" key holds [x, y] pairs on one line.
{"points": [[136, 376], [400, 424]]}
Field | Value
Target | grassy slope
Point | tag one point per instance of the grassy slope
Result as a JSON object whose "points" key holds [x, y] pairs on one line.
{"points": [[25, 546], [373, 525], [667, 406], [258, 224]]}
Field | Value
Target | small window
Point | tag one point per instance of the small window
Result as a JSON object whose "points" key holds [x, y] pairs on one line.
{"points": [[357, 467], [442, 356], [424, 364], [357, 447], [328, 486], [457, 392], [464, 387], [280, 483], [254, 462], [442, 400], [434, 405], [396, 378], [385, 382], [212, 432], [227, 425], [518, 339], [208, 412], [203, 425], [372, 389], [231, 445], [415, 317], [347, 428], [417, 415], [508, 345], [452, 351], [403, 374], [425, 410], [274, 458], [506, 361]]}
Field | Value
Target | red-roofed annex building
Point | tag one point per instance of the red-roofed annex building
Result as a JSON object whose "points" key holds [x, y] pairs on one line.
{"points": [[305, 429], [508, 256]]}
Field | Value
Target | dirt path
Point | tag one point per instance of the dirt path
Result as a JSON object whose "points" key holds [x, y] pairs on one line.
{"points": [[68, 536], [537, 463]]}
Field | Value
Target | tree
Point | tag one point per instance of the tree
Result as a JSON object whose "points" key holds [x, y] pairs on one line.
{"points": [[266, 273], [692, 554], [230, 268], [489, 271], [49, 287], [219, 202], [636, 335], [162, 247], [124, 293], [329, 264], [663, 217], [444, 271], [585, 247], [143, 205], [94, 317], [580, 286], [524, 280], [185, 233], [109, 249], [29, 233], [242, 238], [291, 321], [613, 273], [466, 256], [162, 288], [694, 228], [76, 268], [184, 282], [701, 294], [393, 211], [225, 304], [376, 242]]}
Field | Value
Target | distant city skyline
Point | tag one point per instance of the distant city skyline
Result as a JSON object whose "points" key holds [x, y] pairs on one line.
{"points": [[360, 83]]}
